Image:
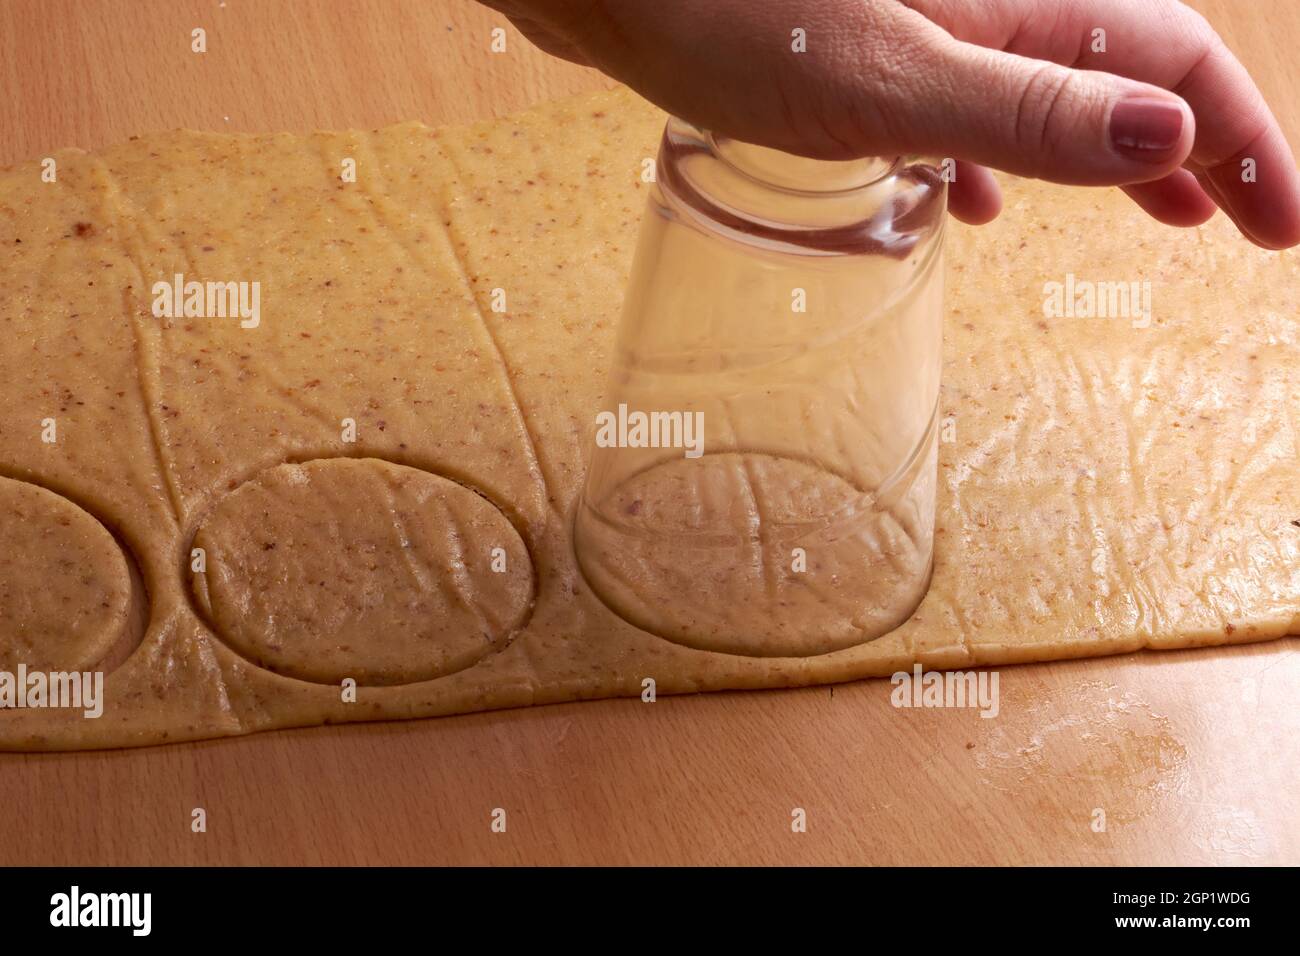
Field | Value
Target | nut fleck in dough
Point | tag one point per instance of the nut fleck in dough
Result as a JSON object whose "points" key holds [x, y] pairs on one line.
{"points": [[1105, 483]]}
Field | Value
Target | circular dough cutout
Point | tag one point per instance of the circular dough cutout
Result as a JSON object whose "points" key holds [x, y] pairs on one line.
{"points": [[754, 554], [359, 568], [65, 588]]}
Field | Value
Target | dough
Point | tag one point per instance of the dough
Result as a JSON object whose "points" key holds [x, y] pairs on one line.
{"points": [[418, 394], [687, 550], [64, 586], [361, 569]]}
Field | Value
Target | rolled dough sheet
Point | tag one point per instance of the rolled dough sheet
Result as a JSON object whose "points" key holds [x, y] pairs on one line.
{"points": [[380, 476]]}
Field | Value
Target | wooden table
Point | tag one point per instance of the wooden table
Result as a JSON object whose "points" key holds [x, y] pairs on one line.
{"points": [[1192, 756]]}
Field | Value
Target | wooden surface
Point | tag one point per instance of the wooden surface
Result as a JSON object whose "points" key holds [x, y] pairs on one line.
{"points": [[1191, 755]]}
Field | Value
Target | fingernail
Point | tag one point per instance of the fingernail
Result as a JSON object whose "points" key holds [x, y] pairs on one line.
{"points": [[1145, 129]]}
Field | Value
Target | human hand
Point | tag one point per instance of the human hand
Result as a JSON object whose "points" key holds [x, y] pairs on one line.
{"points": [[1164, 110]]}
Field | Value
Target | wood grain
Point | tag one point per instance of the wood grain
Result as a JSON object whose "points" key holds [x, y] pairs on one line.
{"points": [[92, 72], [1189, 754]]}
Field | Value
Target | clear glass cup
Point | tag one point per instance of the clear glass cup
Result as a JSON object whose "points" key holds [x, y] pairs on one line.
{"points": [[763, 476]]}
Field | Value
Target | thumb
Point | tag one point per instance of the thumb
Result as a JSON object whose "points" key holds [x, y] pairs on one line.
{"points": [[1040, 119]]}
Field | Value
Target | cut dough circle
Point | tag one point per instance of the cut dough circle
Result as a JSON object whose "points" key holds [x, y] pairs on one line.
{"points": [[362, 569], [758, 555], [65, 589]]}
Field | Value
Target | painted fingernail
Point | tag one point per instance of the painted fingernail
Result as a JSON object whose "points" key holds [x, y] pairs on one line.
{"points": [[1145, 129]]}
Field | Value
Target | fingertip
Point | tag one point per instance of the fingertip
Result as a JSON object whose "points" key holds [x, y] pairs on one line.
{"points": [[1152, 131], [974, 196], [1266, 207], [1176, 200]]}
